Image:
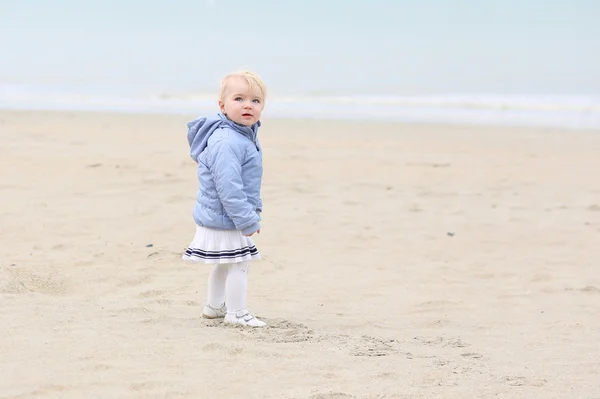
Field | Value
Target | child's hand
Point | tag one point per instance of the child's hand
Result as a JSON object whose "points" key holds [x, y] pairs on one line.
{"points": [[251, 234]]}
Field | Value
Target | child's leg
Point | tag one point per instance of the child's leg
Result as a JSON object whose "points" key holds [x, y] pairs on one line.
{"points": [[237, 287], [235, 292], [216, 285]]}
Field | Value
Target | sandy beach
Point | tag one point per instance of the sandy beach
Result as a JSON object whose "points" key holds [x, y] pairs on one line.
{"points": [[399, 261]]}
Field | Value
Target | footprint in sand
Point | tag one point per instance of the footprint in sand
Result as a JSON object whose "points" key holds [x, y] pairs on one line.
{"points": [[373, 346], [364, 345], [519, 381], [472, 355], [280, 331], [441, 341], [276, 331], [18, 280]]}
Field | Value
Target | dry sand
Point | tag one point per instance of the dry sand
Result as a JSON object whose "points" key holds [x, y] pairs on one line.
{"points": [[399, 262]]}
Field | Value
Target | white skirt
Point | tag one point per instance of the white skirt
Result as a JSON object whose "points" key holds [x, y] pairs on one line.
{"points": [[220, 246]]}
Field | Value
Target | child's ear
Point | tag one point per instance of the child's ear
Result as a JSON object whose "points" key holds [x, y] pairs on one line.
{"points": [[222, 106]]}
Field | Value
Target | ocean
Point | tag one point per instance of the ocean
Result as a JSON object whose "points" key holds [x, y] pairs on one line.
{"points": [[558, 111], [511, 62]]}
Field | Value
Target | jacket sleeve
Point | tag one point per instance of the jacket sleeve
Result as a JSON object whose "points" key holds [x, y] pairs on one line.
{"points": [[226, 169]]}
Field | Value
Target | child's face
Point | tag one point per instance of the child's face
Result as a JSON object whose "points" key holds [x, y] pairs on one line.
{"points": [[241, 104]]}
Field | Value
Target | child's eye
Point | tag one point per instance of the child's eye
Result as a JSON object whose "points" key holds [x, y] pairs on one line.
{"points": [[238, 99], [256, 100]]}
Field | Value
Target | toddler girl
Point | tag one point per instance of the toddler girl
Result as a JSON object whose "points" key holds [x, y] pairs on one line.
{"points": [[228, 203]]}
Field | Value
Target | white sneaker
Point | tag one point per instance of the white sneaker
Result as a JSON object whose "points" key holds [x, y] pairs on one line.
{"points": [[243, 318], [214, 313]]}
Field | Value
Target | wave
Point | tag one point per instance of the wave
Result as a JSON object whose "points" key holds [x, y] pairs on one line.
{"points": [[570, 111]]}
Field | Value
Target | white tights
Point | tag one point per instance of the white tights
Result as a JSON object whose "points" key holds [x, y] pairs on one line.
{"points": [[228, 283]]}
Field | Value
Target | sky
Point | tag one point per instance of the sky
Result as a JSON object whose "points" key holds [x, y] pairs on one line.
{"points": [[306, 47]]}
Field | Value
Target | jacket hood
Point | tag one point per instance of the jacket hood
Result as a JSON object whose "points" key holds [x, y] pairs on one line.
{"points": [[200, 130]]}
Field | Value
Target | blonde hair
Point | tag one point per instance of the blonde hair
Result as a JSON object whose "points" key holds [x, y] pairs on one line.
{"points": [[251, 78]]}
